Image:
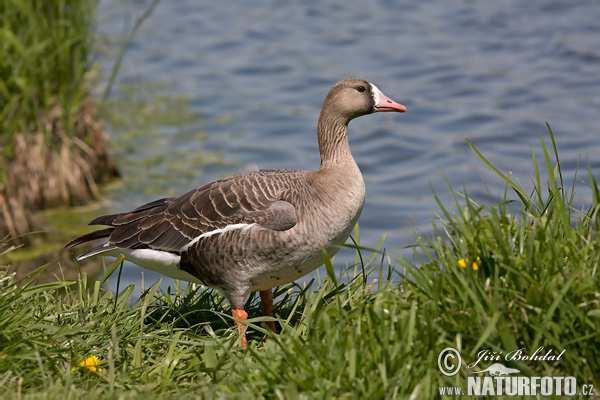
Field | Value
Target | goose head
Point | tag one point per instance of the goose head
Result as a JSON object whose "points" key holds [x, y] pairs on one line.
{"points": [[353, 98], [347, 100]]}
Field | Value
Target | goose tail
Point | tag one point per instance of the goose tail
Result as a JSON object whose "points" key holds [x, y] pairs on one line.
{"points": [[105, 248], [88, 237]]}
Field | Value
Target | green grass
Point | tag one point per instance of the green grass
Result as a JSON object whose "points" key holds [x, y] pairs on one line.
{"points": [[46, 75], [536, 284], [45, 49]]}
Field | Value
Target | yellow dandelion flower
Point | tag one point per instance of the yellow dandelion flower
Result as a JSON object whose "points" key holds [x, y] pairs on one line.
{"points": [[91, 363], [475, 266], [462, 263]]}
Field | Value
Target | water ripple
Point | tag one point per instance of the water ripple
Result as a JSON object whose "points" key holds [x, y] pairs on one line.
{"points": [[491, 72]]}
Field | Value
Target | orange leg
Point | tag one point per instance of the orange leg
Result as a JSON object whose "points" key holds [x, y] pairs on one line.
{"points": [[240, 316], [266, 298]]}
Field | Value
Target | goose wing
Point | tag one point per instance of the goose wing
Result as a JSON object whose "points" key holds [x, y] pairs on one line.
{"points": [[170, 224]]}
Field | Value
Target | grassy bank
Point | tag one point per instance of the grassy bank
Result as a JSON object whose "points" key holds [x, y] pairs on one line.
{"points": [[491, 279], [44, 60], [52, 147]]}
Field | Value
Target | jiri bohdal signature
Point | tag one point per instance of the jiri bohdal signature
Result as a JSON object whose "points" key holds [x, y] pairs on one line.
{"points": [[521, 354]]}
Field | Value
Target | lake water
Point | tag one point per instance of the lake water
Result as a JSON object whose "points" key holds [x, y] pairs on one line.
{"points": [[491, 72]]}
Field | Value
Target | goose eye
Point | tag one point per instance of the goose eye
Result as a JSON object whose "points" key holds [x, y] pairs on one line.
{"points": [[361, 89]]}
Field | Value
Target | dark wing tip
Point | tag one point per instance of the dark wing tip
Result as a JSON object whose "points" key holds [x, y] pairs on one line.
{"points": [[88, 237], [110, 218], [104, 219]]}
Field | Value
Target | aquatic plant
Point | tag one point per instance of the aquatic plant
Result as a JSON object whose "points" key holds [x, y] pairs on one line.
{"points": [[52, 147]]}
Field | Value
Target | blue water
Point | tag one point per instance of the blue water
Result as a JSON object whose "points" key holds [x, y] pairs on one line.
{"points": [[491, 72]]}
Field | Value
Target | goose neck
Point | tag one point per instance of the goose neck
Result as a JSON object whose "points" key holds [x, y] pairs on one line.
{"points": [[332, 135]]}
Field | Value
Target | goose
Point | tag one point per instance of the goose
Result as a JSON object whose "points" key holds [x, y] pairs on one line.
{"points": [[258, 230]]}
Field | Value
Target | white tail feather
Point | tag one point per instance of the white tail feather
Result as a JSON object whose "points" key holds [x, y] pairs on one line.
{"points": [[94, 252]]}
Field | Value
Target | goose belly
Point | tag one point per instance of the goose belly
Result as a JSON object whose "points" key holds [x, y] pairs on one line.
{"points": [[288, 272], [297, 257]]}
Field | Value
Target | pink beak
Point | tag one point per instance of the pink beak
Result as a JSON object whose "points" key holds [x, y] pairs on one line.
{"points": [[384, 103], [389, 105]]}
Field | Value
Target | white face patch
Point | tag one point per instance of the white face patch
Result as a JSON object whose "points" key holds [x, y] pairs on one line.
{"points": [[378, 95], [216, 232]]}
